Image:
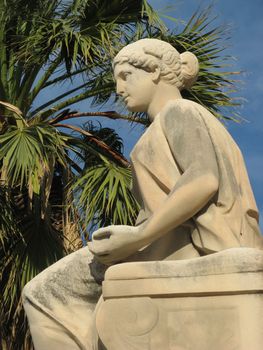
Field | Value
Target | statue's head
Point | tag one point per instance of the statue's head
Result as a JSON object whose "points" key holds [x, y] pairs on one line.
{"points": [[142, 60]]}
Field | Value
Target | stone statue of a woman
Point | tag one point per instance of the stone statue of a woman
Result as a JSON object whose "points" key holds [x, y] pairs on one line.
{"points": [[189, 175], [189, 178]]}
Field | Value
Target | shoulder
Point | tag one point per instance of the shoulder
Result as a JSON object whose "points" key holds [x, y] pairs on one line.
{"points": [[184, 126], [182, 112], [180, 105]]}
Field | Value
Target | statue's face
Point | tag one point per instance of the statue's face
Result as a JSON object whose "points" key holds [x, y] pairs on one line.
{"points": [[135, 85]]}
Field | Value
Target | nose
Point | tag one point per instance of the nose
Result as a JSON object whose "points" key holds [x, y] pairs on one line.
{"points": [[120, 88]]}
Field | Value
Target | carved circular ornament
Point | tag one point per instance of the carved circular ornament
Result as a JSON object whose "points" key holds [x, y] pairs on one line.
{"points": [[131, 317]]}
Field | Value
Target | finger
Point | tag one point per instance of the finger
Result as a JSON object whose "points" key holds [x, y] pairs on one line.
{"points": [[97, 249], [105, 259], [102, 233]]}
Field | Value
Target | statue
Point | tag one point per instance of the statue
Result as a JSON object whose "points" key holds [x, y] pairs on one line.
{"points": [[188, 172], [189, 178]]}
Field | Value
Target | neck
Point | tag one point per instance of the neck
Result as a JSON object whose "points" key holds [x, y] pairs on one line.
{"points": [[163, 94]]}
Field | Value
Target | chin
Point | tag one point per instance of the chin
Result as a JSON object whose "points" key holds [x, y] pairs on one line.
{"points": [[132, 109], [136, 108]]}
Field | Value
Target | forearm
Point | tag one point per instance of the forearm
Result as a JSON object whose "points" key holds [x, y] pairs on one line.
{"points": [[115, 243], [182, 204]]}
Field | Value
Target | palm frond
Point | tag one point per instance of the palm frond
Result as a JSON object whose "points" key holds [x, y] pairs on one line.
{"points": [[104, 196], [103, 190], [216, 87], [40, 247], [8, 224], [26, 153]]}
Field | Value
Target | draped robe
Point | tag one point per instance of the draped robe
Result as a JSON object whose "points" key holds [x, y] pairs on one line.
{"points": [[185, 135]]}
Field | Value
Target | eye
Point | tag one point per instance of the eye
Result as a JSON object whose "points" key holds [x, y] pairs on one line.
{"points": [[124, 75]]}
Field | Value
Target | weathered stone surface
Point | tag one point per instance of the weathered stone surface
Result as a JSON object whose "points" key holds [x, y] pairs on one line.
{"points": [[235, 260], [61, 300], [214, 302]]}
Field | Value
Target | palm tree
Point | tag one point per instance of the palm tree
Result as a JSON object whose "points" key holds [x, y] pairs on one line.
{"points": [[43, 167], [42, 44]]}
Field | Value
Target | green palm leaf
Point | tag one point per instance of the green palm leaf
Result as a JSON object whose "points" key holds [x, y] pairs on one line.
{"points": [[8, 226], [104, 195], [28, 152], [103, 190]]}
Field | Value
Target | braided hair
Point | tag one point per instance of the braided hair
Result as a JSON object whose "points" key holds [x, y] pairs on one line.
{"points": [[148, 54]]}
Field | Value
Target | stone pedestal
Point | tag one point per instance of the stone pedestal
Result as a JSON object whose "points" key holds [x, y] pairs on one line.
{"points": [[209, 303]]}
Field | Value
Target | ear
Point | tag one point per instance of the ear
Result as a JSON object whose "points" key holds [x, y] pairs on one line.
{"points": [[156, 74]]}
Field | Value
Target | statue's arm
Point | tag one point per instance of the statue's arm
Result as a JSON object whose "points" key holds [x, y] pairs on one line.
{"points": [[194, 153]]}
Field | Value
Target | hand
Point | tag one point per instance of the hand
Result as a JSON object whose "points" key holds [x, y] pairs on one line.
{"points": [[114, 243]]}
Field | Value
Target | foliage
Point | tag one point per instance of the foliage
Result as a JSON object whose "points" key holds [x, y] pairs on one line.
{"points": [[103, 189], [216, 84], [45, 44]]}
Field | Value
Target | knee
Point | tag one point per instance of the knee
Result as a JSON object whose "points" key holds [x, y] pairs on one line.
{"points": [[27, 291], [34, 289]]}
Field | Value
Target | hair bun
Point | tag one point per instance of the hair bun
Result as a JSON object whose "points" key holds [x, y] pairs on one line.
{"points": [[189, 69]]}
